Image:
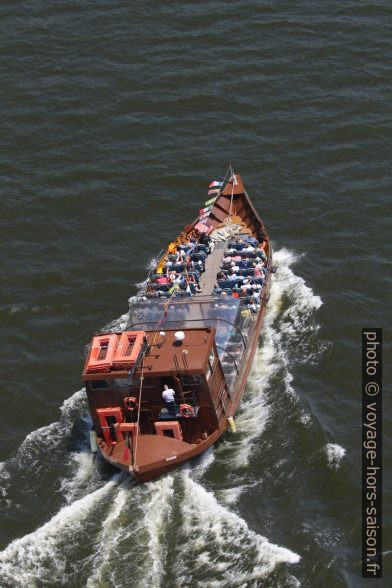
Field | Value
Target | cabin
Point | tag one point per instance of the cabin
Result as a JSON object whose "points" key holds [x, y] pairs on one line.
{"points": [[125, 375]]}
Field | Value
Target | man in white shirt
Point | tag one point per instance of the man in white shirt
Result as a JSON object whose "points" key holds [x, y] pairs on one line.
{"points": [[168, 398]]}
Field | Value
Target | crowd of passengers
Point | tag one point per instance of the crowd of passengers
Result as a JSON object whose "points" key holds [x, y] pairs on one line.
{"points": [[243, 271], [181, 271]]}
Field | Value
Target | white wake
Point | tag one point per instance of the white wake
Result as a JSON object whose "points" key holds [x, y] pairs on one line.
{"points": [[108, 531]]}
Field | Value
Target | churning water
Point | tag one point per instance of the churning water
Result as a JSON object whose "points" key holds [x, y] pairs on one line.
{"points": [[115, 118]]}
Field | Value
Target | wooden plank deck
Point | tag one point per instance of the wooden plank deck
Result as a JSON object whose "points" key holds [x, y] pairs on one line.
{"points": [[213, 265]]}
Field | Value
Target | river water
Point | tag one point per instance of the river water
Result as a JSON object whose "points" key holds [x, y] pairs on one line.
{"points": [[115, 118]]}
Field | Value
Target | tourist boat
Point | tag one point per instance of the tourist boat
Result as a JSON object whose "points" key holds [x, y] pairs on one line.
{"points": [[194, 327]]}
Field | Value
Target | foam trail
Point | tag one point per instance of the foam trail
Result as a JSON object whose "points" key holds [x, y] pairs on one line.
{"points": [[335, 454], [4, 482], [231, 495], [157, 511], [140, 512], [42, 554], [272, 358], [219, 544], [45, 441], [54, 433], [296, 323], [202, 464], [84, 466], [112, 533], [117, 324]]}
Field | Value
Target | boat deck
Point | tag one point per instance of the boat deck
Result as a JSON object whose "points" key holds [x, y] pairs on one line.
{"points": [[212, 267]]}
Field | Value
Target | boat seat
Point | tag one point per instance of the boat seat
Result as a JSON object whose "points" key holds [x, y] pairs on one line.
{"points": [[164, 415]]}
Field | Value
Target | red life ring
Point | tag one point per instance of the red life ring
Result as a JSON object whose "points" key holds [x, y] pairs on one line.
{"points": [[130, 403], [186, 411]]}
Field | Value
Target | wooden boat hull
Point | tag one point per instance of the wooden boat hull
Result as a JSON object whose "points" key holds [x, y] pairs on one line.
{"points": [[151, 453]]}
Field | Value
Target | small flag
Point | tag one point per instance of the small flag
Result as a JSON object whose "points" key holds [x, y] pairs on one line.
{"points": [[213, 193], [215, 184], [202, 228], [214, 188], [209, 202]]}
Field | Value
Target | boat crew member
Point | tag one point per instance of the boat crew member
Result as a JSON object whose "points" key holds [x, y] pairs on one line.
{"points": [[168, 398]]}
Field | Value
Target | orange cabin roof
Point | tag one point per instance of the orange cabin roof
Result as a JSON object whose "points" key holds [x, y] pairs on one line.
{"points": [[166, 355]]}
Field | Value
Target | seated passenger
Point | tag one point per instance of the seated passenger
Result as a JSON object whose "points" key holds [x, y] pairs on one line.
{"points": [[199, 265], [249, 248], [179, 279], [252, 240], [257, 270], [253, 307], [188, 263], [256, 286], [246, 285], [171, 276], [180, 255], [193, 284]]}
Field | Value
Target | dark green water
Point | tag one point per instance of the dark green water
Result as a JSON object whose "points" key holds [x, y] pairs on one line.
{"points": [[115, 117]]}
